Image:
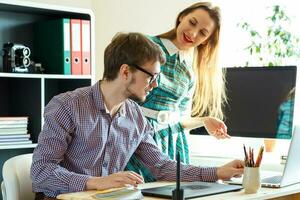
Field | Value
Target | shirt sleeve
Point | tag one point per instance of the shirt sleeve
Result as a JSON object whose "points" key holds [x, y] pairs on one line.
{"points": [[164, 168], [46, 172]]}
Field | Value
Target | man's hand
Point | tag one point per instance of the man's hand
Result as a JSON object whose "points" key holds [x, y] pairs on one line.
{"points": [[215, 127], [232, 169], [115, 180]]}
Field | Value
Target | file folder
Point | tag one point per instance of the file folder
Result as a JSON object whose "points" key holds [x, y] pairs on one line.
{"points": [[67, 47], [86, 46], [52, 45], [76, 61]]}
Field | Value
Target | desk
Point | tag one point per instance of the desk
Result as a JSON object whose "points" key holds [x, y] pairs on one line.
{"points": [[287, 193]]}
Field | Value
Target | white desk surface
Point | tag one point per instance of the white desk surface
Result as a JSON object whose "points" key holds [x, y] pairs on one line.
{"points": [[263, 193], [270, 162]]}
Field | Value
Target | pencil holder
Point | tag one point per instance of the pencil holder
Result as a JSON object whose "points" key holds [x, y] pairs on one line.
{"points": [[251, 180]]}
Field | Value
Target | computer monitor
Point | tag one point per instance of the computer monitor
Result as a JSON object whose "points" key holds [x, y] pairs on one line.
{"points": [[260, 102]]}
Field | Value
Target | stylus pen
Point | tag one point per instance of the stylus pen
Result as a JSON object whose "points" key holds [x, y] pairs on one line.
{"points": [[178, 193], [178, 171]]}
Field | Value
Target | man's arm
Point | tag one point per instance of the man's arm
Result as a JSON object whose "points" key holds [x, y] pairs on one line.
{"points": [[165, 169], [46, 172]]}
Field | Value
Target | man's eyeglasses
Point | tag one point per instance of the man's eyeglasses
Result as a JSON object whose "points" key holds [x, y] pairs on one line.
{"points": [[153, 76]]}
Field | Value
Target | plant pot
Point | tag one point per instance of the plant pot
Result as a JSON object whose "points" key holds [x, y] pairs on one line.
{"points": [[269, 145]]}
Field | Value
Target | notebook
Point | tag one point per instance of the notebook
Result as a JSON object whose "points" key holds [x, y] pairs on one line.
{"points": [[191, 189], [291, 172]]}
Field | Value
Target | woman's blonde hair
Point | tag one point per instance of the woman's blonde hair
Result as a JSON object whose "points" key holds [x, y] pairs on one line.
{"points": [[209, 95]]}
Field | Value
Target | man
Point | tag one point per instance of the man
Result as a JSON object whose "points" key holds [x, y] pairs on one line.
{"points": [[90, 133]]}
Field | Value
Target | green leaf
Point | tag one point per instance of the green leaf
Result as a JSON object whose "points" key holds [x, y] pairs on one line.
{"points": [[273, 18], [269, 32], [257, 49], [253, 33]]}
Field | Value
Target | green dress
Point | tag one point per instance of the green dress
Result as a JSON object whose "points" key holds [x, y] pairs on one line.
{"points": [[174, 93]]}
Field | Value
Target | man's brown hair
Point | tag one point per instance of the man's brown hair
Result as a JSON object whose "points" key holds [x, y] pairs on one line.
{"points": [[129, 48]]}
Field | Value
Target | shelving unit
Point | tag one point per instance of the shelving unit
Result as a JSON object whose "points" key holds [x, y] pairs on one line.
{"points": [[25, 94], [28, 94]]}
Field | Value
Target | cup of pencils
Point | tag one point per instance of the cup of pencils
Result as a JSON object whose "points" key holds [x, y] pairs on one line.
{"points": [[251, 177]]}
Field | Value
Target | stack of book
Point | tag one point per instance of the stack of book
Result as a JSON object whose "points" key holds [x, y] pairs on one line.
{"points": [[13, 131]]}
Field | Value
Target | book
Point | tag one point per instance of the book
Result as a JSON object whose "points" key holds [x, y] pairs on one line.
{"points": [[15, 131], [13, 120], [13, 139], [13, 126], [20, 123], [9, 136], [15, 142]]}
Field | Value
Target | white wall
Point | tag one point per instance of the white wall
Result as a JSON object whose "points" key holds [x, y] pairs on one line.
{"points": [[73, 3]]}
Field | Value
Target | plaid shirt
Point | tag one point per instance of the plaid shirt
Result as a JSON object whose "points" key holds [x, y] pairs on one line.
{"points": [[80, 139]]}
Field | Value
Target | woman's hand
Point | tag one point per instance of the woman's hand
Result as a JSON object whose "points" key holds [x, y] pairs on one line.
{"points": [[215, 127]]}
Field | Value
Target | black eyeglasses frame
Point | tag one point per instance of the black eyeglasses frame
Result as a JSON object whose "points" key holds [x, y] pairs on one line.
{"points": [[153, 76]]}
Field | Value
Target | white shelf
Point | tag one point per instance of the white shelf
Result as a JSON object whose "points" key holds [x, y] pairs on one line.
{"points": [[26, 93], [49, 76], [23, 146]]}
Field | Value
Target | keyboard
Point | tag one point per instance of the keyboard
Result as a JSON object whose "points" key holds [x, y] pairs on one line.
{"points": [[273, 179]]}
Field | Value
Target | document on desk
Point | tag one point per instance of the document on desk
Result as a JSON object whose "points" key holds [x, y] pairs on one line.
{"points": [[124, 193]]}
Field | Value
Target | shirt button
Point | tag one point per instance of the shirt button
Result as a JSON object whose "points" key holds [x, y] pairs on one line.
{"points": [[116, 169], [105, 164]]}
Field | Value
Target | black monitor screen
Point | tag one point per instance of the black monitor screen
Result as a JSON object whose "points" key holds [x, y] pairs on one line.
{"points": [[260, 102]]}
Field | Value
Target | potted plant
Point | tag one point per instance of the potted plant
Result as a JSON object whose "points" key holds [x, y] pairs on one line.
{"points": [[274, 46]]}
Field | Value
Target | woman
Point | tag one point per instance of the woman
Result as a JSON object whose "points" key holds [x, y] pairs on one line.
{"points": [[190, 84]]}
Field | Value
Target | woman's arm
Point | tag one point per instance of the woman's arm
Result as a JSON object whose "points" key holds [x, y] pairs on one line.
{"points": [[214, 126]]}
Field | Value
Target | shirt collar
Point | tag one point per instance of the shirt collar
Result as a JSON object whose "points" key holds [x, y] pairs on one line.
{"points": [[122, 110], [106, 110], [186, 56], [98, 98]]}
